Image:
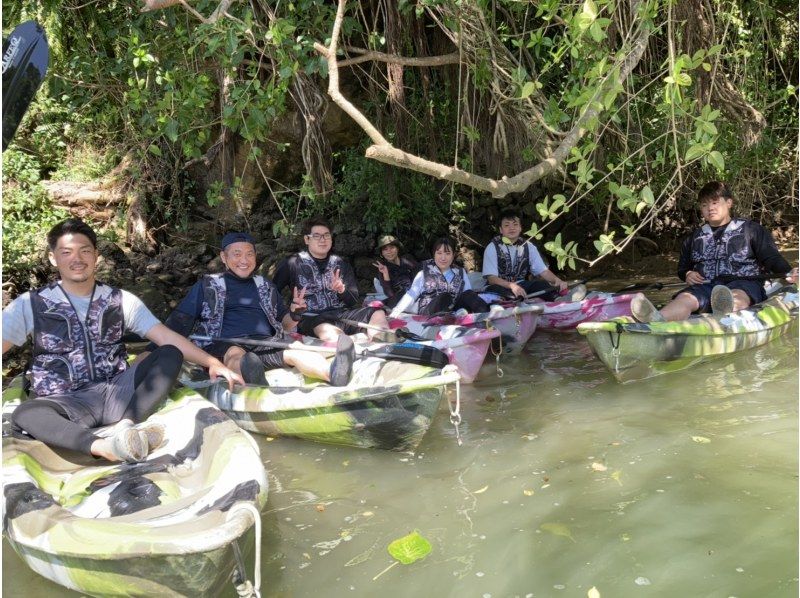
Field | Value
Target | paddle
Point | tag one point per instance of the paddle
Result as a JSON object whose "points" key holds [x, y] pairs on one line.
{"points": [[657, 286], [25, 59], [405, 352], [401, 332], [396, 327]]}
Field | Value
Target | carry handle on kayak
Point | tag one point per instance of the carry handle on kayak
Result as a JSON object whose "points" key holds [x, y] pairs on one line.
{"points": [[405, 352], [657, 286]]}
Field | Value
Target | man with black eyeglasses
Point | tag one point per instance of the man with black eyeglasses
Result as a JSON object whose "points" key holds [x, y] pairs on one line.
{"points": [[331, 290]]}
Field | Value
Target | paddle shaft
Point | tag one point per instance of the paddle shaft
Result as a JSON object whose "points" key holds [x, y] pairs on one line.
{"points": [[418, 354], [724, 278], [273, 344]]}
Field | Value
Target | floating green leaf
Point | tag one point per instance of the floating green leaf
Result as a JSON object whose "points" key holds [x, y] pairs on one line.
{"points": [[410, 548], [557, 529]]}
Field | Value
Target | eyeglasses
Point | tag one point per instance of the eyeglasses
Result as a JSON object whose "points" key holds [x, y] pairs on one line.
{"points": [[320, 237]]}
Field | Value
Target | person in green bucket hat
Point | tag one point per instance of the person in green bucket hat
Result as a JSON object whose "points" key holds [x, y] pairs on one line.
{"points": [[395, 271]]}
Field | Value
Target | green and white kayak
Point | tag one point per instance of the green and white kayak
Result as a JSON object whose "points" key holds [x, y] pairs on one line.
{"points": [[164, 527], [635, 351], [388, 404]]}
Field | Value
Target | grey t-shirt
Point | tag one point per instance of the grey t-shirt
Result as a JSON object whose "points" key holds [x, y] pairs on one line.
{"points": [[18, 315]]}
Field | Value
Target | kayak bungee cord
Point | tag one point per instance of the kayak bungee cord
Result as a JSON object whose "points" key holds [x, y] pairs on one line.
{"points": [[455, 414], [244, 587]]}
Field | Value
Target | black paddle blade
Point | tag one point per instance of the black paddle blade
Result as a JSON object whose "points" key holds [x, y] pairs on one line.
{"points": [[412, 353], [25, 59]]}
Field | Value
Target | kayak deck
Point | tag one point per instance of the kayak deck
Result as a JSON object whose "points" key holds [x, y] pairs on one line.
{"points": [[388, 404], [633, 351], [162, 527]]}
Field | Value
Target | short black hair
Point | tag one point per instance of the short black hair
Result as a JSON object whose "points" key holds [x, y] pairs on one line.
{"points": [[713, 190], [316, 221], [509, 214], [444, 241], [70, 226]]}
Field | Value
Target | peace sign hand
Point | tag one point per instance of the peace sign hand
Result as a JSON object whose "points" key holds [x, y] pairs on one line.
{"points": [[298, 300], [384, 271], [337, 284]]}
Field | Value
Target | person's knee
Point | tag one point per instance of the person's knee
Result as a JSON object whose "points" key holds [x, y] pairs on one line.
{"points": [[170, 358], [327, 332], [740, 299]]}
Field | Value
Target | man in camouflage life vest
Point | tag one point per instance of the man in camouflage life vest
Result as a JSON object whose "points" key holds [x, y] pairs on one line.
{"points": [[513, 267], [723, 262], [239, 304], [329, 285], [81, 379]]}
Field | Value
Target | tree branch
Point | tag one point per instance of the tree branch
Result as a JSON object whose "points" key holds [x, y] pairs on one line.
{"points": [[367, 55], [383, 151]]}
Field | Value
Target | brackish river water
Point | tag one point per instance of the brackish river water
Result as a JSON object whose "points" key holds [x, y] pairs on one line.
{"points": [[681, 485]]}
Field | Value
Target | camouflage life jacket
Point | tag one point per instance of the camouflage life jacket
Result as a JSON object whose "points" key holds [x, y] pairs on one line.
{"points": [[436, 284], [213, 310], [318, 296], [507, 269], [728, 253], [68, 353]]}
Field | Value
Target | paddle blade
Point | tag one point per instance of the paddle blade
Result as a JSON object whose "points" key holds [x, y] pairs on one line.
{"points": [[412, 353], [25, 59]]}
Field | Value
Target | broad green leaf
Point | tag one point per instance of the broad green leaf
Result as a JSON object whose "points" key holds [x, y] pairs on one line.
{"points": [[527, 89], [695, 151], [647, 195], [409, 548], [154, 149], [557, 529], [716, 160]]}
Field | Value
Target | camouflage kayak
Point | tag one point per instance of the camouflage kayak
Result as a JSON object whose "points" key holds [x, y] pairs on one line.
{"points": [[388, 404], [516, 323], [163, 527], [634, 351]]}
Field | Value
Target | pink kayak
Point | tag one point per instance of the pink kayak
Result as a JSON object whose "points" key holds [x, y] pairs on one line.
{"points": [[466, 348], [596, 307], [516, 323]]}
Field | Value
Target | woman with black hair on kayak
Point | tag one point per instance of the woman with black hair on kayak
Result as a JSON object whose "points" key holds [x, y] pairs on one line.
{"points": [[440, 285]]}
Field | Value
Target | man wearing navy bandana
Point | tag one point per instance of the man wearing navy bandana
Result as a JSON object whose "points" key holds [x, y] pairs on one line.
{"points": [[238, 304]]}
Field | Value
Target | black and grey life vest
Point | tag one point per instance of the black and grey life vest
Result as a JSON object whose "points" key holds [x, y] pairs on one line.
{"points": [[510, 269], [319, 297], [68, 352], [436, 284], [213, 310], [728, 253], [400, 275]]}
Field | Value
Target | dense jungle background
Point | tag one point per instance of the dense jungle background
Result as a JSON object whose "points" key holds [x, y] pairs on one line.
{"points": [[166, 123]]}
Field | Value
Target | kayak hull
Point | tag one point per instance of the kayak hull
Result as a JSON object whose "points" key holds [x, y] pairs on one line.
{"points": [[516, 324], [388, 405], [594, 308], [636, 351], [163, 527], [465, 347]]}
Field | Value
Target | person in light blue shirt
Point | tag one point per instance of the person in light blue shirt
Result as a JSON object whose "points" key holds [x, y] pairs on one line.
{"points": [[440, 285]]}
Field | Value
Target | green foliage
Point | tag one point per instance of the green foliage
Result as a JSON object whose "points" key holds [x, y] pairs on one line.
{"points": [[27, 214], [363, 199]]}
